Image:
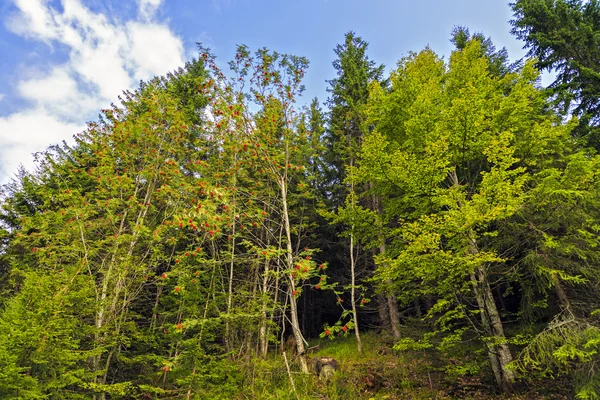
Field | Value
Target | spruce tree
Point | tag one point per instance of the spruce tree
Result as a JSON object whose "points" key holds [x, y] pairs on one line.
{"points": [[564, 37]]}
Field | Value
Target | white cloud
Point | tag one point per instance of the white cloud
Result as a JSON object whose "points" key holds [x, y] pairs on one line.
{"points": [[2, 95], [147, 8], [24, 133], [167, 50], [218, 5], [55, 86], [57, 93], [105, 57], [34, 20]]}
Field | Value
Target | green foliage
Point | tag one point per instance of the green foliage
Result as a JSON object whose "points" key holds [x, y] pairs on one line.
{"points": [[563, 35], [349, 96], [497, 60], [196, 224], [568, 344], [453, 164]]}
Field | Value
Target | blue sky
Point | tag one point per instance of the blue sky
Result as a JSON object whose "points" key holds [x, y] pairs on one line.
{"points": [[61, 61]]}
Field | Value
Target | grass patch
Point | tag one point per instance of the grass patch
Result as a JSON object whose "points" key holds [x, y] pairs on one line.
{"points": [[381, 373]]}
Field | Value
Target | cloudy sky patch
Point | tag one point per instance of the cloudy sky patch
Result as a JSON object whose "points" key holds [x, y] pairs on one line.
{"points": [[104, 56]]}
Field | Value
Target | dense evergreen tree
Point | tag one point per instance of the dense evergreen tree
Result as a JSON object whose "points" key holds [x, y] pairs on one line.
{"points": [[497, 59], [349, 95], [346, 131], [564, 36]]}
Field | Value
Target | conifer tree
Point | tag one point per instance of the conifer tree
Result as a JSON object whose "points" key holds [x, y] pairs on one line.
{"points": [[564, 37], [347, 127]]}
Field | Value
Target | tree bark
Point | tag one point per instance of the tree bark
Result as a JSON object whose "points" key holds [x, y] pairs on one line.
{"points": [[392, 305], [353, 294], [262, 332], [497, 348], [290, 264], [296, 329], [382, 310], [498, 351], [565, 304], [394, 316], [353, 273], [228, 339]]}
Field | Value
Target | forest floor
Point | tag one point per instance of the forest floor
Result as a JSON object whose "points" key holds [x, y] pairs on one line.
{"points": [[381, 372]]}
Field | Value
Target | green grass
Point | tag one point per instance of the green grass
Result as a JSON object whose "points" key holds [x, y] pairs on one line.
{"points": [[378, 373]]}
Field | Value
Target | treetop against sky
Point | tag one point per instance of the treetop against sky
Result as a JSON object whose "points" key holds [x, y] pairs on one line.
{"points": [[61, 61]]}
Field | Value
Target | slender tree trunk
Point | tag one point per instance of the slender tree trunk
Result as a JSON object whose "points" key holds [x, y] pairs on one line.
{"points": [[382, 310], [263, 340], [199, 341], [394, 316], [498, 351], [353, 271], [228, 339], [276, 289], [262, 332], [290, 264], [102, 302], [296, 329], [392, 305], [353, 295], [565, 304]]}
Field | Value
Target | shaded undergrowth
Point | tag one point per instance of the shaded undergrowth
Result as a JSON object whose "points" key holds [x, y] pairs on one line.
{"points": [[381, 372]]}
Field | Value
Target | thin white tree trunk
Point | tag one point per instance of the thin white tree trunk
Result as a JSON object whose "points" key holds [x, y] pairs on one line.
{"points": [[290, 264], [353, 271], [353, 294], [262, 333]]}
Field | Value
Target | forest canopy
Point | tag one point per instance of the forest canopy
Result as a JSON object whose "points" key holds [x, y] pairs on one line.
{"points": [[212, 233]]}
